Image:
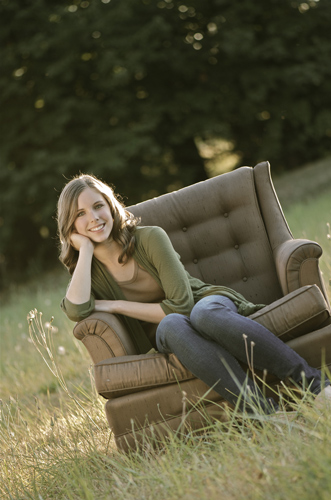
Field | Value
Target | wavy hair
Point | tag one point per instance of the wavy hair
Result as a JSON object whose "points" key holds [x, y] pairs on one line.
{"points": [[124, 222]]}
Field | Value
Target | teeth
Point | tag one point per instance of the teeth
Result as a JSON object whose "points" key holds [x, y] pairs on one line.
{"points": [[97, 228]]}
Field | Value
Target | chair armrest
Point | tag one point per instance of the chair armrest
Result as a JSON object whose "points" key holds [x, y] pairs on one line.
{"points": [[104, 336], [297, 265]]}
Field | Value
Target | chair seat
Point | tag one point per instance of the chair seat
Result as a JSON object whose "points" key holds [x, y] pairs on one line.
{"points": [[291, 316], [115, 377]]}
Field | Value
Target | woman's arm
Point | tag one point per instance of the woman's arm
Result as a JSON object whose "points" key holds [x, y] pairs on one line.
{"points": [[152, 313], [79, 290]]}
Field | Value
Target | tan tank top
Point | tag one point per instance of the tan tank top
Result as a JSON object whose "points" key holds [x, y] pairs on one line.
{"points": [[142, 287]]}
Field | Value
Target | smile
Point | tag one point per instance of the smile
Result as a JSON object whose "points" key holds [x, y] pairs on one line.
{"points": [[97, 228]]}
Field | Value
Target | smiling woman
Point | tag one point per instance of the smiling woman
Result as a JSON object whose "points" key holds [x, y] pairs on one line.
{"points": [[96, 230]]}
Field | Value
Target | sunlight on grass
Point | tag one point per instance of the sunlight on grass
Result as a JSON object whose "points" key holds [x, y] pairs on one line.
{"points": [[60, 454]]}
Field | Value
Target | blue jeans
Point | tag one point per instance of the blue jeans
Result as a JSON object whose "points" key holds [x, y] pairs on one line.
{"points": [[215, 337]]}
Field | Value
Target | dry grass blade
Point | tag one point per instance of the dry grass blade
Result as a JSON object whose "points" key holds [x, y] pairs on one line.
{"points": [[44, 344]]}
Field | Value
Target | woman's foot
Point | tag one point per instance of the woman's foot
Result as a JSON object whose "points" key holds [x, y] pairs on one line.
{"points": [[323, 399]]}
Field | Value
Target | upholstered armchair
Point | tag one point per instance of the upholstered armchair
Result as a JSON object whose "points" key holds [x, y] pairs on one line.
{"points": [[229, 230]]}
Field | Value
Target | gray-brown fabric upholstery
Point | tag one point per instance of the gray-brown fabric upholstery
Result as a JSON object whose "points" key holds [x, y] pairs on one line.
{"points": [[295, 314], [229, 230], [117, 377], [177, 401]]}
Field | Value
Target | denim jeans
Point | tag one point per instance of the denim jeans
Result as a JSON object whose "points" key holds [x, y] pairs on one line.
{"points": [[215, 337]]}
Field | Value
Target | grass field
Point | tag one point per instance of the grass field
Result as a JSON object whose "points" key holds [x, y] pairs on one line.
{"points": [[55, 443]]}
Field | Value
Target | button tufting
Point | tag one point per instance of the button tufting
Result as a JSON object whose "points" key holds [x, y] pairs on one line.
{"points": [[244, 278], [236, 247], [195, 261], [184, 229], [226, 214]]}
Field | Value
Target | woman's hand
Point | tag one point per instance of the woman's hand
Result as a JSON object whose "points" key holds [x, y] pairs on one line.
{"points": [[78, 241]]}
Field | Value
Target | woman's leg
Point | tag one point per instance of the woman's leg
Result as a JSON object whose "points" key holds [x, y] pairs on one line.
{"points": [[216, 318], [211, 363]]}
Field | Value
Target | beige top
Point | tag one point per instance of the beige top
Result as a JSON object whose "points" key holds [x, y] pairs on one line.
{"points": [[142, 287]]}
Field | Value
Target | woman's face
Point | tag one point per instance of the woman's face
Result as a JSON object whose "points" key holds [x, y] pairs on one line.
{"points": [[93, 218]]}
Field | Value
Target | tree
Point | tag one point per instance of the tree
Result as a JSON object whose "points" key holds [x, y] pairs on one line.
{"points": [[124, 89]]}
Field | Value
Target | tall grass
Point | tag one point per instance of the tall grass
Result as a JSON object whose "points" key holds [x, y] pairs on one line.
{"points": [[55, 442], [63, 456], [311, 219], [21, 371]]}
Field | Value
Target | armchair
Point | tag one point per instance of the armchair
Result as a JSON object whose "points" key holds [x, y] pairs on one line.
{"points": [[229, 230]]}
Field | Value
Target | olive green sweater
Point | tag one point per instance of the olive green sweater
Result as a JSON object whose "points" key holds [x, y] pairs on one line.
{"points": [[154, 252]]}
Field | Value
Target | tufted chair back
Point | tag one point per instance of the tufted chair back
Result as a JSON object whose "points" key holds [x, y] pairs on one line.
{"points": [[239, 253]]}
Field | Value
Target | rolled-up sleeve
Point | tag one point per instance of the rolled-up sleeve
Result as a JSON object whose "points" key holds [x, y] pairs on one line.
{"points": [[77, 312]]}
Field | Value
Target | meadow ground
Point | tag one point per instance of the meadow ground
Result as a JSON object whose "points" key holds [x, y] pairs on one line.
{"points": [[55, 443]]}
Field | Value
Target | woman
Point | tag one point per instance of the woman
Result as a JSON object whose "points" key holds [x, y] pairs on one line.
{"points": [[122, 268]]}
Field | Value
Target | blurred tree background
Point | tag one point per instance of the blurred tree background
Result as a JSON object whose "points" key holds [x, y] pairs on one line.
{"points": [[135, 91]]}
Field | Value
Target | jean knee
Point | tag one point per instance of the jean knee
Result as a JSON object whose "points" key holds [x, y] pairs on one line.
{"points": [[168, 328], [201, 312]]}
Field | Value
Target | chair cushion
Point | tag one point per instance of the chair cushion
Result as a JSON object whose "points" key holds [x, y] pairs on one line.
{"points": [[296, 314], [116, 377]]}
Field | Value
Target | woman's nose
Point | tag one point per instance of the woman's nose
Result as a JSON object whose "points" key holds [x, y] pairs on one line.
{"points": [[94, 215]]}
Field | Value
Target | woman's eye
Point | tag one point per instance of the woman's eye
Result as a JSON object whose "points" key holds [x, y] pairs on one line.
{"points": [[100, 205], [80, 214]]}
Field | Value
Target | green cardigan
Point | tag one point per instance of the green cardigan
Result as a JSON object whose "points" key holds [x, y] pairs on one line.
{"points": [[154, 252]]}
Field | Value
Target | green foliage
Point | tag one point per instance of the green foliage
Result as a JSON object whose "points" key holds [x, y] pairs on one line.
{"points": [[124, 88]]}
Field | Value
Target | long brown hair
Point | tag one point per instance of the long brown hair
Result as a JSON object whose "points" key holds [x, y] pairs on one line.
{"points": [[124, 222]]}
